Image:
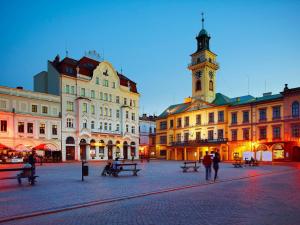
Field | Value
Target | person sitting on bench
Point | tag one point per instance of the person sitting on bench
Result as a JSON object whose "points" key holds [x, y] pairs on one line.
{"points": [[116, 163], [107, 169]]}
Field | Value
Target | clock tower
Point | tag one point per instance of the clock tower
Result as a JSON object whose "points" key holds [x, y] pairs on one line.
{"points": [[203, 67]]}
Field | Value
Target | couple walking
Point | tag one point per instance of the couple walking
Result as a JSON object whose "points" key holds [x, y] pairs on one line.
{"points": [[208, 161]]}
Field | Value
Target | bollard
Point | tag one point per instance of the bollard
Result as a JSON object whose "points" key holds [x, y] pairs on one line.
{"points": [[84, 170]]}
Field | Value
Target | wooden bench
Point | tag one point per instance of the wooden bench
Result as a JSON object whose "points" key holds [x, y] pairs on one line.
{"points": [[123, 167], [25, 173], [238, 164], [189, 165]]}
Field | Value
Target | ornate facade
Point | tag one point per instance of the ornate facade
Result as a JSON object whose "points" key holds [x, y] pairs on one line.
{"points": [[267, 127]]}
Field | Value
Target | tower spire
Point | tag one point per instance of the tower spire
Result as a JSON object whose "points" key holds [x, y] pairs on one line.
{"points": [[202, 20]]}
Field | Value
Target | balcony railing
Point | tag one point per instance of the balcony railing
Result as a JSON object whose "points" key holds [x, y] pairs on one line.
{"points": [[199, 142], [203, 61]]}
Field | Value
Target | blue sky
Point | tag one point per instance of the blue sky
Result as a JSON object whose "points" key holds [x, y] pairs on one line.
{"points": [[152, 42]]}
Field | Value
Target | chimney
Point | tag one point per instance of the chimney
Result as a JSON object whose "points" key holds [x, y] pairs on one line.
{"points": [[286, 87]]}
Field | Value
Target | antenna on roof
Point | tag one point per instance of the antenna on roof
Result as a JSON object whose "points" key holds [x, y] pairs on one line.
{"points": [[66, 49], [202, 20], [265, 85]]}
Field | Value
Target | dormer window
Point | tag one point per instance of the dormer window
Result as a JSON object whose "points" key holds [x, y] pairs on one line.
{"points": [[69, 69]]}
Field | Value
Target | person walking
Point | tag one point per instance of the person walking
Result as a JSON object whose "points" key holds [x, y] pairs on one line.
{"points": [[216, 161], [207, 164]]}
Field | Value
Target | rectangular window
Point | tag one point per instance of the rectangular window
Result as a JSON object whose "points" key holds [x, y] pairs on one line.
{"points": [[101, 126], [105, 97], [296, 131], [276, 112], [97, 80], [130, 102], [34, 108], [105, 111], [70, 106], [92, 125], [93, 109], [70, 123], [118, 113], [198, 119], [101, 111], [262, 114], [68, 89], [21, 127], [92, 94], [110, 97], [220, 133], [42, 128], [3, 125], [105, 83], [262, 133], [84, 107], [276, 133], [45, 109], [133, 129], [54, 129], [127, 128], [234, 118], [72, 90], [125, 101], [30, 128], [234, 135], [198, 135], [101, 95], [105, 126], [210, 135], [246, 134], [118, 127], [179, 122], [117, 99], [133, 116], [221, 116], [171, 124], [186, 121], [163, 139], [211, 117], [186, 137], [127, 115], [109, 127], [113, 84], [163, 125], [171, 139], [110, 112], [2, 104], [82, 92], [246, 117]]}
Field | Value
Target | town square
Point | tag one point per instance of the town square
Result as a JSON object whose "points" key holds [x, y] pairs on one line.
{"points": [[159, 112]]}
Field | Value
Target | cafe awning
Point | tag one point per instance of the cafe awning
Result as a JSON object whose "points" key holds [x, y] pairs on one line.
{"points": [[4, 147], [45, 147]]}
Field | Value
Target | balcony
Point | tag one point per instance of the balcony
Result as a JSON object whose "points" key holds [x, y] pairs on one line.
{"points": [[203, 61], [199, 142]]}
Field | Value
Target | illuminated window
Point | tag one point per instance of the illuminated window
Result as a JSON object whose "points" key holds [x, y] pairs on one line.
{"points": [[30, 128], [34, 108], [54, 129], [42, 128]]}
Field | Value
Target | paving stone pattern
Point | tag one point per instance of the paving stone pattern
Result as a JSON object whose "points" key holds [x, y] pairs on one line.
{"points": [[270, 199]]}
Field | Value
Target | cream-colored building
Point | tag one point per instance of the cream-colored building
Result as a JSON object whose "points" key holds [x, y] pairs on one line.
{"points": [[30, 120], [99, 108]]}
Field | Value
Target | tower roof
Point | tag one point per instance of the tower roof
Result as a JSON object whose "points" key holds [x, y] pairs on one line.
{"points": [[202, 32]]}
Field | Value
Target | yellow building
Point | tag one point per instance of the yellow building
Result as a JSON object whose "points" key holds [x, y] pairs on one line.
{"points": [[242, 127]]}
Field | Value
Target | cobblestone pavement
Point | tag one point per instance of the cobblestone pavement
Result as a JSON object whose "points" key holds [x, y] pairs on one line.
{"points": [[267, 199]]}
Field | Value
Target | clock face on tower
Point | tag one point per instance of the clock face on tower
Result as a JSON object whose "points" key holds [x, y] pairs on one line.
{"points": [[198, 74]]}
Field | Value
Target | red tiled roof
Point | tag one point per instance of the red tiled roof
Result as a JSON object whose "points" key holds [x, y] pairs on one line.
{"points": [[68, 66]]}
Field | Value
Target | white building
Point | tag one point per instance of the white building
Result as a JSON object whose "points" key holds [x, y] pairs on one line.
{"points": [[99, 108], [147, 129], [29, 120]]}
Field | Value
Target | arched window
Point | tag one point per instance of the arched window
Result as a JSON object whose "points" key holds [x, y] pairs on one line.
{"points": [[198, 85], [211, 85], [70, 140], [295, 109]]}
